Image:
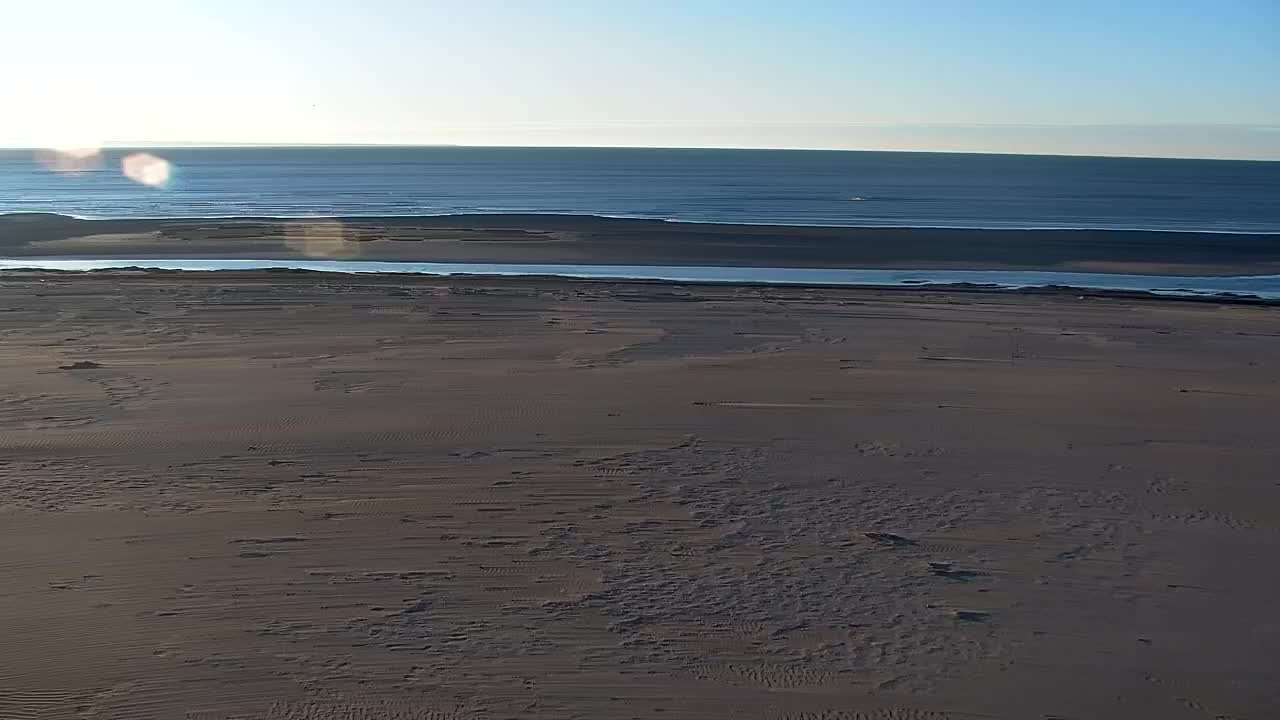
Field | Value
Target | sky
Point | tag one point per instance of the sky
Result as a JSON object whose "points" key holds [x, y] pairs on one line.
{"points": [[1121, 77]]}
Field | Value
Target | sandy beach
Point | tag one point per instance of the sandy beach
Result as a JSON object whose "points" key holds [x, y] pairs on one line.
{"points": [[292, 496], [570, 239]]}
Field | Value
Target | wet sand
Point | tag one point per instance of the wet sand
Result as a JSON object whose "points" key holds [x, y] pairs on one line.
{"points": [[566, 239], [310, 497]]}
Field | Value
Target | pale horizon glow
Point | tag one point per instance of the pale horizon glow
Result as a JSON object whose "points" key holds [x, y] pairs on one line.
{"points": [[1166, 78]]}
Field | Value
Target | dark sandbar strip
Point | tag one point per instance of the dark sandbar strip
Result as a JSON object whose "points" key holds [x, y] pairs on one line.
{"points": [[597, 240]]}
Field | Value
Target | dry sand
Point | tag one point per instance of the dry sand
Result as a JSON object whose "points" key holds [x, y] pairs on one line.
{"points": [[306, 497]]}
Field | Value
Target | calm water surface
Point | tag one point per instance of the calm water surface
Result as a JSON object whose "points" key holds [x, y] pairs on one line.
{"points": [[735, 186]]}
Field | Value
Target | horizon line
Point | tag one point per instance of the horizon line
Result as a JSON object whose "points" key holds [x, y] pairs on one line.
{"points": [[211, 145]]}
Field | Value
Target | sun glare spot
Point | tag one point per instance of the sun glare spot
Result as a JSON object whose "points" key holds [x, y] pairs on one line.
{"points": [[146, 169], [70, 158]]}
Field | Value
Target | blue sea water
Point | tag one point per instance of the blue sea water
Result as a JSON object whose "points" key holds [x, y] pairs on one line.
{"points": [[879, 189]]}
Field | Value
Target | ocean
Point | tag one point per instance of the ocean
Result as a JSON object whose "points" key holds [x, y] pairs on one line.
{"points": [[875, 189]]}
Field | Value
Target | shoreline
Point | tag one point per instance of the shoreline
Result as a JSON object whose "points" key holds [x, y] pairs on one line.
{"points": [[480, 279], [595, 240], [462, 216]]}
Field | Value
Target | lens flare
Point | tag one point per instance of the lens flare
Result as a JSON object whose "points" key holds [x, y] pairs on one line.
{"points": [[146, 169], [74, 158], [319, 238]]}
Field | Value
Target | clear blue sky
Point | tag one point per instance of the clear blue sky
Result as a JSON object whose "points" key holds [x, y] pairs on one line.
{"points": [[1140, 77]]}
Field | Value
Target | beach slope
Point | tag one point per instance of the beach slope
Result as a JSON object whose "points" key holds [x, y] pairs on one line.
{"points": [[302, 496]]}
